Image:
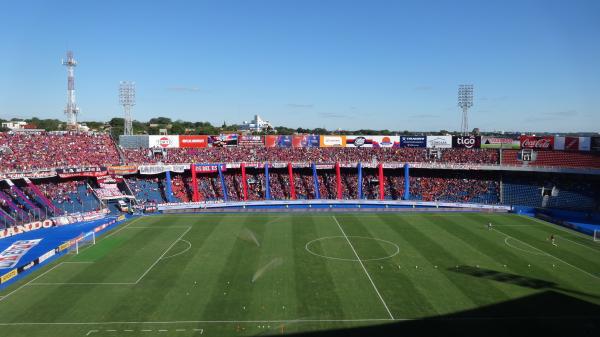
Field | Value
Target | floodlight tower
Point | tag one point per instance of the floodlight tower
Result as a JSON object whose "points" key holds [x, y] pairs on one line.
{"points": [[465, 102], [127, 100], [71, 110]]}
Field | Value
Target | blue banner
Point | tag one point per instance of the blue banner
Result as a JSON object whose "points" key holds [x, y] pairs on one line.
{"points": [[413, 141], [284, 141]]}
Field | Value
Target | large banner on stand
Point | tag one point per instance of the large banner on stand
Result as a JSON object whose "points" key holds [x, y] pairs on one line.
{"points": [[439, 142], [251, 141], [413, 141], [466, 142], [538, 143], [164, 142], [305, 141], [332, 141], [373, 141], [193, 141]]}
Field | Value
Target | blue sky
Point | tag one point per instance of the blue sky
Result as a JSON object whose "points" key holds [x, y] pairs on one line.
{"points": [[324, 63]]}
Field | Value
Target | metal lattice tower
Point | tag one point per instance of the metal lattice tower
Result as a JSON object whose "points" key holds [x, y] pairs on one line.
{"points": [[127, 100], [71, 110], [465, 102]]}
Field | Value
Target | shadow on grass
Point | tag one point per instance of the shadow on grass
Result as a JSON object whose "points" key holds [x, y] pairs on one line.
{"points": [[548, 313], [519, 280]]}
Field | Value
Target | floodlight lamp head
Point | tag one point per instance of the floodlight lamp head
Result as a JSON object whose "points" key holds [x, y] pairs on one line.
{"points": [[465, 96], [127, 93]]}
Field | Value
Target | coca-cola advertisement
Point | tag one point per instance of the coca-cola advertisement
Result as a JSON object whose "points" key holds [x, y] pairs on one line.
{"points": [[466, 142], [538, 143]]}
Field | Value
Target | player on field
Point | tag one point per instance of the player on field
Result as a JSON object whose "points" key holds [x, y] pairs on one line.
{"points": [[489, 226], [553, 240]]}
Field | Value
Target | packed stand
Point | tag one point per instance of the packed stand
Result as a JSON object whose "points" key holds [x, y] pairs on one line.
{"points": [[454, 187], [49, 150], [318, 155]]}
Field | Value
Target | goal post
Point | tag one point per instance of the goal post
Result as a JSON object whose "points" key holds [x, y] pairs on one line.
{"points": [[88, 239], [597, 235]]}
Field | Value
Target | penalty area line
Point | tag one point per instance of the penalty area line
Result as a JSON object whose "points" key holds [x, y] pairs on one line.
{"points": [[548, 254]]}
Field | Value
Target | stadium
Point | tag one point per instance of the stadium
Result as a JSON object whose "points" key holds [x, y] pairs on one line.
{"points": [[246, 235], [412, 168]]}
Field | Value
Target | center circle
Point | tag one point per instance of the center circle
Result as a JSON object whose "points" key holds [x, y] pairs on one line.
{"points": [[359, 243]]}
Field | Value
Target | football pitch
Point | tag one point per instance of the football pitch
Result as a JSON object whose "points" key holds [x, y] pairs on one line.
{"points": [[281, 273]]}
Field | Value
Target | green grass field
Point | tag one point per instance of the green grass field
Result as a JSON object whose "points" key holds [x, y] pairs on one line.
{"points": [[238, 274]]}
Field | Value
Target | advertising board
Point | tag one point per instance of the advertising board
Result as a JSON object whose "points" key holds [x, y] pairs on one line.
{"points": [[466, 142], [251, 141], [305, 141], [163, 142], [332, 141], [193, 141], [439, 142], [413, 141], [536, 142], [499, 143]]}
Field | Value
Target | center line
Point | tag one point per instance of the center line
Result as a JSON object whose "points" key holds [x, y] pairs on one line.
{"points": [[363, 267]]}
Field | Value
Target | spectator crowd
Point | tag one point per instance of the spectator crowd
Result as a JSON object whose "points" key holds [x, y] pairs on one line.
{"points": [[33, 151], [318, 155]]}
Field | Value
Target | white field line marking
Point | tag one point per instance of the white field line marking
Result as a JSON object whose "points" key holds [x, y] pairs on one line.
{"points": [[553, 226], [163, 254], [78, 283], [109, 235], [26, 284], [577, 243], [91, 332], [521, 249], [352, 260], [120, 229], [548, 254], [298, 320], [31, 283], [213, 322], [155, 227], [363, 267], [183, 251], [293, 214]]}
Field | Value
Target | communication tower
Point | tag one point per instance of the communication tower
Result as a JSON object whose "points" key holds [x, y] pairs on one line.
{"points": [[71, 110]]}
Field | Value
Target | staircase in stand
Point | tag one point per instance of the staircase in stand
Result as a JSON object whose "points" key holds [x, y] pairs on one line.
{"points": [[13, 207], [23, 199], [43, 199]]}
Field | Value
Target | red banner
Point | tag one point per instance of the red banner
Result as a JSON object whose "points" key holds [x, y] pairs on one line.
{"points": [[270, 141], [538, 143], [193, 141], [572, 143]]}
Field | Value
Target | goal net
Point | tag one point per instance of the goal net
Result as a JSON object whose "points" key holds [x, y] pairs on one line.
{"points": [[596, 235], [86, 240]]}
